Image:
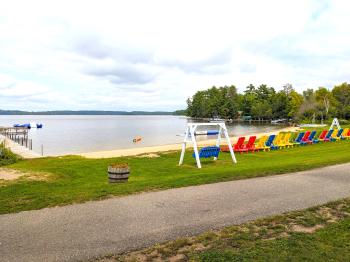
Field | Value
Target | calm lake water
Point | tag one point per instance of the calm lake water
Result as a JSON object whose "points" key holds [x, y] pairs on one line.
{"points": [[78, 134]]}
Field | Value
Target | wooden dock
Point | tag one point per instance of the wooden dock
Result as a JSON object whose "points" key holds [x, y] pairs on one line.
{"points": [[17, 140]]}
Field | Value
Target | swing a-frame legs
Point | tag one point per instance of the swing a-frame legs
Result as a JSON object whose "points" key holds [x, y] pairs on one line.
{"points": [[190, 137]]}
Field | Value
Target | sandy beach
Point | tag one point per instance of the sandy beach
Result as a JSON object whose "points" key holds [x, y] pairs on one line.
{"points": [[170, 147], [18, 149]]}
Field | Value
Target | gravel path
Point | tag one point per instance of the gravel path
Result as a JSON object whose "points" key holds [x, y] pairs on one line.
{"points": [[84, 231]]}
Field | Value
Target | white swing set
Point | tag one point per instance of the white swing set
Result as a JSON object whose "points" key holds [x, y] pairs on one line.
{"points": [[335, 123], [190, 137]]}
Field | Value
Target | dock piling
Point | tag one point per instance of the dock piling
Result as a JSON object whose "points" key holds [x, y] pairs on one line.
{"points": [[17, 134]]}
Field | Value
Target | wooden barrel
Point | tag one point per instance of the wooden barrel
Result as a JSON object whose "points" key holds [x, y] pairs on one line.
{"points": [[118, 174]]}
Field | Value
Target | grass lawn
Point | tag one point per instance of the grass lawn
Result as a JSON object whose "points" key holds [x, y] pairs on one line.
{"points": [[317, 234], [74, 179]]}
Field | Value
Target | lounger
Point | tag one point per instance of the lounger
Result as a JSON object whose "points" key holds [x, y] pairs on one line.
{"points": [[261, 144], [279, 140], [286, 140], [310, 139], [328, 137], [321, 136], [236, 147], [247, 147], [300, 136], [269, 142], [346, 134], [338, 136], [306, 136]]}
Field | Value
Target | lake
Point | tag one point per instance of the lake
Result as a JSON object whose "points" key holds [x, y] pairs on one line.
{"points": [[78, 134]]}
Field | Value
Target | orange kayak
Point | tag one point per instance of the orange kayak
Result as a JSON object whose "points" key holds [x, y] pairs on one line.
{"points": [[137, 139]]}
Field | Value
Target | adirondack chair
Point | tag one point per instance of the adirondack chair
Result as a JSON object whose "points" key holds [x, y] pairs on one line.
{"points": [[338, 135], [286, 141], [328, 137], [261, 145], [247, 147], [270, 144], [279, 140], [239, 143], [209, 151], [300, 136], [334, 135], [235, 147], [346, 134], [305, 137], [310, 139], [251, 145], [321, 136]]}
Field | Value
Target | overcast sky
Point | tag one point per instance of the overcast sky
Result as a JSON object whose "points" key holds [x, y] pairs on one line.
{"points": [[153, 55]]}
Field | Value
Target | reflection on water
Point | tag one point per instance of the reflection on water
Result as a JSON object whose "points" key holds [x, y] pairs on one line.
{"points": [[77, 134]]}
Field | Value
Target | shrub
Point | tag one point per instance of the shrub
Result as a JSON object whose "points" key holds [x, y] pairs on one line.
{"points": [[6, 156]]}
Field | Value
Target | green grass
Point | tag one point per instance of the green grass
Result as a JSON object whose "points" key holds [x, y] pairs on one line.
{"points": [[317, 234], [74, 179], [329, 244]]}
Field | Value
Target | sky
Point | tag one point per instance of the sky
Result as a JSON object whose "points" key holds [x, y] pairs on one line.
{"points": [[152, 55]]}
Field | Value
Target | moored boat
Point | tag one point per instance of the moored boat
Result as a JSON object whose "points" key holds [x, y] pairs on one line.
{"points": [[22, 125], [30, 125]]}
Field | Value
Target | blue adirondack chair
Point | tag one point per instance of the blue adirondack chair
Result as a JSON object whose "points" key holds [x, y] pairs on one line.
{"points": [[300, 136], [209, 151], [269, 142]]}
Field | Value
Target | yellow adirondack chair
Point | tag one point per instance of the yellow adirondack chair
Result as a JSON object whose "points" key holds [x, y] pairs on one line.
{"points": [[338, 138], [286, 140], [346, 134], [261, 144], [334, 134], [279, 140]]}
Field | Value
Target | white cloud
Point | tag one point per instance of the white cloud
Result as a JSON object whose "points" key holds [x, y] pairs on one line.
{"points": [[134, 55]]}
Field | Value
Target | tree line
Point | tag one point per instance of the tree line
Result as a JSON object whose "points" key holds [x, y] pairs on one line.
{"points": [[265, 103]]}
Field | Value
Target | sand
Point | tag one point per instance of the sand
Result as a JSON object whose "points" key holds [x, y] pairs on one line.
{"points": [[9, 174], [171, 147]]}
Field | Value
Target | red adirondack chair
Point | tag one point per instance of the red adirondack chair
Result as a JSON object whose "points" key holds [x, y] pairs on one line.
{"points": [[239, 144], [235, 147], [321, 137], [249, 146], [306, 136]]}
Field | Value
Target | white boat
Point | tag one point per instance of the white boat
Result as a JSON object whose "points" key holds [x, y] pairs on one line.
{"points": [[278, 121], [312, 125]]}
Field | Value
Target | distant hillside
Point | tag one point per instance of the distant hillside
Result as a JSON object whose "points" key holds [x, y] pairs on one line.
{"points": [[179, 113], [86, 112]]}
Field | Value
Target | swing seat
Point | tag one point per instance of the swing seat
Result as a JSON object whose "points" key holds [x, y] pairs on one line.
{"points": [[209, 151]]}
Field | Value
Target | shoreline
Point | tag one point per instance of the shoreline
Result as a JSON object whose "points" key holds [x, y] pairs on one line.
{"points": [[18, 149], [170, 147]]}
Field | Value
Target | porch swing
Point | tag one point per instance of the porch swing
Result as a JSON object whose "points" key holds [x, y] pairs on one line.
{"points": [[209, 151]]}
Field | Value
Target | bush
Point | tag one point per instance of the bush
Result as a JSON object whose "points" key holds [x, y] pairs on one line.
{"points": [[344, 122], [6, 156]]}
